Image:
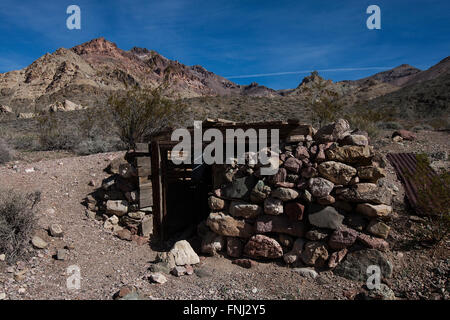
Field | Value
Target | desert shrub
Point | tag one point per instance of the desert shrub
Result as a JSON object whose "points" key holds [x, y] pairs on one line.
{"points": [[421, 127], [389, 125], [98, 145], [27, 142], [6, 153], [17, 222], [139, 114], [54, 134]]}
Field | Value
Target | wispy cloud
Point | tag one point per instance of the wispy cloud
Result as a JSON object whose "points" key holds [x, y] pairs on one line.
{"points": [[304, 71]]}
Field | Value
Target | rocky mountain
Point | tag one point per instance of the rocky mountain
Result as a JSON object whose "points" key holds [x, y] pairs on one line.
{"points": [[397, 76], [85, 75]]}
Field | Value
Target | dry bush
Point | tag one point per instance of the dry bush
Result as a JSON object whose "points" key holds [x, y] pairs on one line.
{"points": [[17, 222], [6, 153], [139, 114]]}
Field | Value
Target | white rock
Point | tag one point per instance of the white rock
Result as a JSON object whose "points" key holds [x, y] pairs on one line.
{"points": [[2, 296], [158, 278], [183, 254], [2, 257], [306, 272]]}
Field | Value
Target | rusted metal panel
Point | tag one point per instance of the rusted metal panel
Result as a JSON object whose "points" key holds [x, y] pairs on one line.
{"points": [[416, 177]]}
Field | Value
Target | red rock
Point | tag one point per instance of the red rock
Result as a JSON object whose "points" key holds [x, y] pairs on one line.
{"points": [[139, 240], [244, 263], [124, 234], [279, 224], [372, 242], [301, 153], [336, 257], [293, 165], [260, 246], [294, 210], [405, 134], [280, 176], [342, 238], [234, 247]]}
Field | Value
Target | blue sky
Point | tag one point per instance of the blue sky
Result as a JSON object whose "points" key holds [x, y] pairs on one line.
{"points": [[235, 38]]}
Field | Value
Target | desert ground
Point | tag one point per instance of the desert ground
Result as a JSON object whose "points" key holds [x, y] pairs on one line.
{"points": [[108, 263]]}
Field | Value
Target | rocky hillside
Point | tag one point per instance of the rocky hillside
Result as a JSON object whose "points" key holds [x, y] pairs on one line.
{"points": [[85, 75]]}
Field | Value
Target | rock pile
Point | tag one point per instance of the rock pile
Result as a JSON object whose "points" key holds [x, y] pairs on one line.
{"points": [[322, 203], [116, 203]]}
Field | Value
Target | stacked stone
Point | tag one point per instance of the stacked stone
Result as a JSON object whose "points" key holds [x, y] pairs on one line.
{"points": [[323, 202], [116, 202]]}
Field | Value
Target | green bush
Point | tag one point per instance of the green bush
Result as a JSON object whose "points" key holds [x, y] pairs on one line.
{"points": [[138, 114], [17, 222]]}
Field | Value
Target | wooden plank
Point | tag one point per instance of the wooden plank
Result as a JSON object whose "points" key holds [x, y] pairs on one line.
{"points": [[143, 162], [142, 148], [143, 172], [144, 180], [157, 189]]}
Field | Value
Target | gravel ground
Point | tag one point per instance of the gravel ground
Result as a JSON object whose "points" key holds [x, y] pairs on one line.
{"points": [[107, 263]]}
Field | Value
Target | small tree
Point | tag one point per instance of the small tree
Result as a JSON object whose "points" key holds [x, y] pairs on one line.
{"points": [[325, 103], [141, 113]]}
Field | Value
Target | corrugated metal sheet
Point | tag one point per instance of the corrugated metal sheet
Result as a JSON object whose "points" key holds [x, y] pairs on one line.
{"points": [[416, 176]]}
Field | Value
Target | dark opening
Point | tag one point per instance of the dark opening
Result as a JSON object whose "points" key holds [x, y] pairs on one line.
{"points": [[187, 202]]}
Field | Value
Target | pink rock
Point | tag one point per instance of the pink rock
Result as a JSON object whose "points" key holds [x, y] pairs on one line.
{"points": [[244, 263]]}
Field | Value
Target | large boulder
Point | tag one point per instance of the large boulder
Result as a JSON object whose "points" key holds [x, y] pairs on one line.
{"points": [[226, 225], [279, 224], [350, 154], [355, 265], [183, 254], [365, 192], [333, 132], [325, 217], [245, 210], [320, 187], [260, 246], [337, 172]]}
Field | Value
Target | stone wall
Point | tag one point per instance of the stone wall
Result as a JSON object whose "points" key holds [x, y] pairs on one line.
{"points": [[323, 203]]}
